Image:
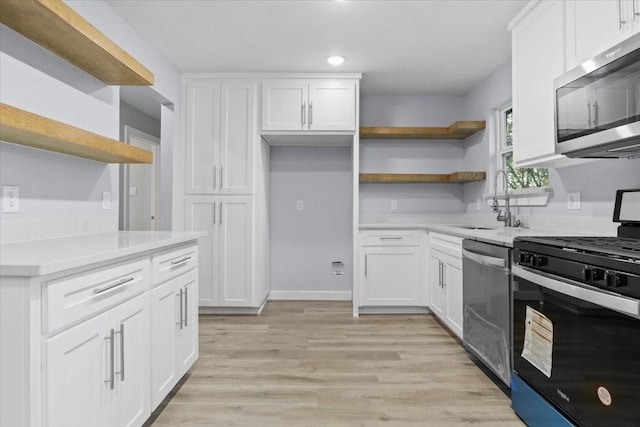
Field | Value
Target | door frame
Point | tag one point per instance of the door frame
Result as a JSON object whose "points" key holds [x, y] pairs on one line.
{"points": [[129, 132]]}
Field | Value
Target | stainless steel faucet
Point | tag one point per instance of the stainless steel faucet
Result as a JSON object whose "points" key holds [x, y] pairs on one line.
{"points": [[506, 217]]}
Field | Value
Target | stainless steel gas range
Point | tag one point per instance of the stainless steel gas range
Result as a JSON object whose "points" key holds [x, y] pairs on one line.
{"points": [[576, 326]]}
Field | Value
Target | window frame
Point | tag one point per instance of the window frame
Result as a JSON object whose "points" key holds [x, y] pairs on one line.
{"points": [[532, 196]]}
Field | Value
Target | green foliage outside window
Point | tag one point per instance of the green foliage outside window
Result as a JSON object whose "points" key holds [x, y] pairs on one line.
{"points": [[520, 177]]}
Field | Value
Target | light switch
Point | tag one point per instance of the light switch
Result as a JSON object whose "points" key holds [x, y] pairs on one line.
{"points": [[299, 205], [573, 201], [133, 191], [106, 200], [394, 205], [10, 199]]}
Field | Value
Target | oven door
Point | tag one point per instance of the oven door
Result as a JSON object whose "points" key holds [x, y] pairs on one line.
{"points": [[578, 347]]}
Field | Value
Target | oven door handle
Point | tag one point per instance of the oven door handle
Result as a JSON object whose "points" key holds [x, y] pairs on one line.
{"points": [[484, 259], [574, 289]]}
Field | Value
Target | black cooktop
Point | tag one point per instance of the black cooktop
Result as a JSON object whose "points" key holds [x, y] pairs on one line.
{"points": [[603, 246]]}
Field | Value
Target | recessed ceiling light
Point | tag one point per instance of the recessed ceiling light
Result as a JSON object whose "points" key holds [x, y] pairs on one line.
{"points": [[335, 60]]}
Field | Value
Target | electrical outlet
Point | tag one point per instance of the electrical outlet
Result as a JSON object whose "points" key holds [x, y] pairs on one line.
{"points": [[299, 205], [394, 205], [573, 201], [106, 200], [10, 199]]}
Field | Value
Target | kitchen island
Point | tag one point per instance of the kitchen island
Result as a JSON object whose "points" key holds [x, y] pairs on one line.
{"points": [[95, 327]]}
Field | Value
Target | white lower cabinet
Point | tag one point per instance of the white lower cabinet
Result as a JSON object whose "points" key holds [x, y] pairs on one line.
{"points": [[391, 276], [174, 332], [445, 280], [96, 373], [226, 278], [390, 268], [102, 344]]}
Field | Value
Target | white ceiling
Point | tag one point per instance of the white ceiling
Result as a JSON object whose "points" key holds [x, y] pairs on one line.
{"points": [[401, 47]]}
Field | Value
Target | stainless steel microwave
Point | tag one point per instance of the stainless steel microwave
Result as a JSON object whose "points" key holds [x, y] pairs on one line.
{"points": [[597, 105]]}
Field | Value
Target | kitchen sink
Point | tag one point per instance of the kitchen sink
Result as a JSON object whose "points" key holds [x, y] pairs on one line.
{"points": [[475, 227]]}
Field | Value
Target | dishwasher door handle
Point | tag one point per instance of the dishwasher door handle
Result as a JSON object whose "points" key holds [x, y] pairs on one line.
{"points": [[484, 259]]}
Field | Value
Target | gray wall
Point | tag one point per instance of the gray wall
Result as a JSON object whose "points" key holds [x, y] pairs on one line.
{"points": [[596, 180], [304, 243], [411, 156], [61, 195], [131, 116]]}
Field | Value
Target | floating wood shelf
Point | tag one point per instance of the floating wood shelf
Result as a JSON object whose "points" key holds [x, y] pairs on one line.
{"points": [[57, 27], [25, 128], [451, 178], [458, 130]]}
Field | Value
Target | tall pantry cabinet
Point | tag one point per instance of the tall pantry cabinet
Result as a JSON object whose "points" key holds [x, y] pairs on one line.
{"points": [[224, 158]]}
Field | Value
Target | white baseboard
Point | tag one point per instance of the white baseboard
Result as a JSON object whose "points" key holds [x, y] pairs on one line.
{"points": [[230, 310], [311, 295], [393, 310]]}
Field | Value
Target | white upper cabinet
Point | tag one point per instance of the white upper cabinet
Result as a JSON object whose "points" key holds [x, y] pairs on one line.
{"points": [[220, 134], [594, 26], [538, 58], [309, 105]]}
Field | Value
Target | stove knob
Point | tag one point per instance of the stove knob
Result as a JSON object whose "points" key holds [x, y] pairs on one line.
{"points": [[540, 261], [526, 258], [615, 280], [591, 274]]}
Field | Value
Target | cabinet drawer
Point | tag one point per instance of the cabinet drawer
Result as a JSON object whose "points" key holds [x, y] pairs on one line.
{"points": [[446, 243], [390, 238], [80, 296], [173, 263]]}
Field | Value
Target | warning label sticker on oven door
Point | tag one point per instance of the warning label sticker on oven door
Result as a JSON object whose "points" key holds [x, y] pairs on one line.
{"points": [[538, 341]]}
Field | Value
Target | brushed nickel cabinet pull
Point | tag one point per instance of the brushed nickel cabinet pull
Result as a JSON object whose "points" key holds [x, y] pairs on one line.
{"points": [[111, 379], [186, 307], [221, 175], [180, 261], [304, 112], [121, 333], [310, 113], [365, 264], [181, 313], [106, 288], [215, 177], [620, 20]]}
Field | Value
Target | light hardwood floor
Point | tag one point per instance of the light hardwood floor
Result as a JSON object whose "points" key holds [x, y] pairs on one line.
{"points": [[313, 364]]}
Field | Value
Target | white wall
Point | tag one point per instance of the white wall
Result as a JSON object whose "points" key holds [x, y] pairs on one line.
{"points": [[131, 116], [304, 243], [61, 195]]}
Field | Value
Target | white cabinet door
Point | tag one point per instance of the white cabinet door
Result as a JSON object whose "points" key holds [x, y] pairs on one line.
{"points": [[452, 280], [220, 137], [203, 214], [76, 368], [538, 58], [236, 138], [225, 253], [594, 26], [164, 356], [391, 276], [284, 105], [187, 341], [202, 137], [97, 373], [315, 105], [332, 105], [235, 234], [132, 370], [437, 292]]}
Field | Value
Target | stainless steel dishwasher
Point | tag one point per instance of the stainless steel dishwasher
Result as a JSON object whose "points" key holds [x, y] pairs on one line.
{"points": [[486, 298]]}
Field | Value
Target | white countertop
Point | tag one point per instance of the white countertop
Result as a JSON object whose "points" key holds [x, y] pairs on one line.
{"points": [[496, 234], [48, 256]]}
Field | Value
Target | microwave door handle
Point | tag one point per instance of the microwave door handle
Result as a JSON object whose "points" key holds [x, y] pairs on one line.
{"points": [[573, 289], [589, 112], [595, 114]]}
